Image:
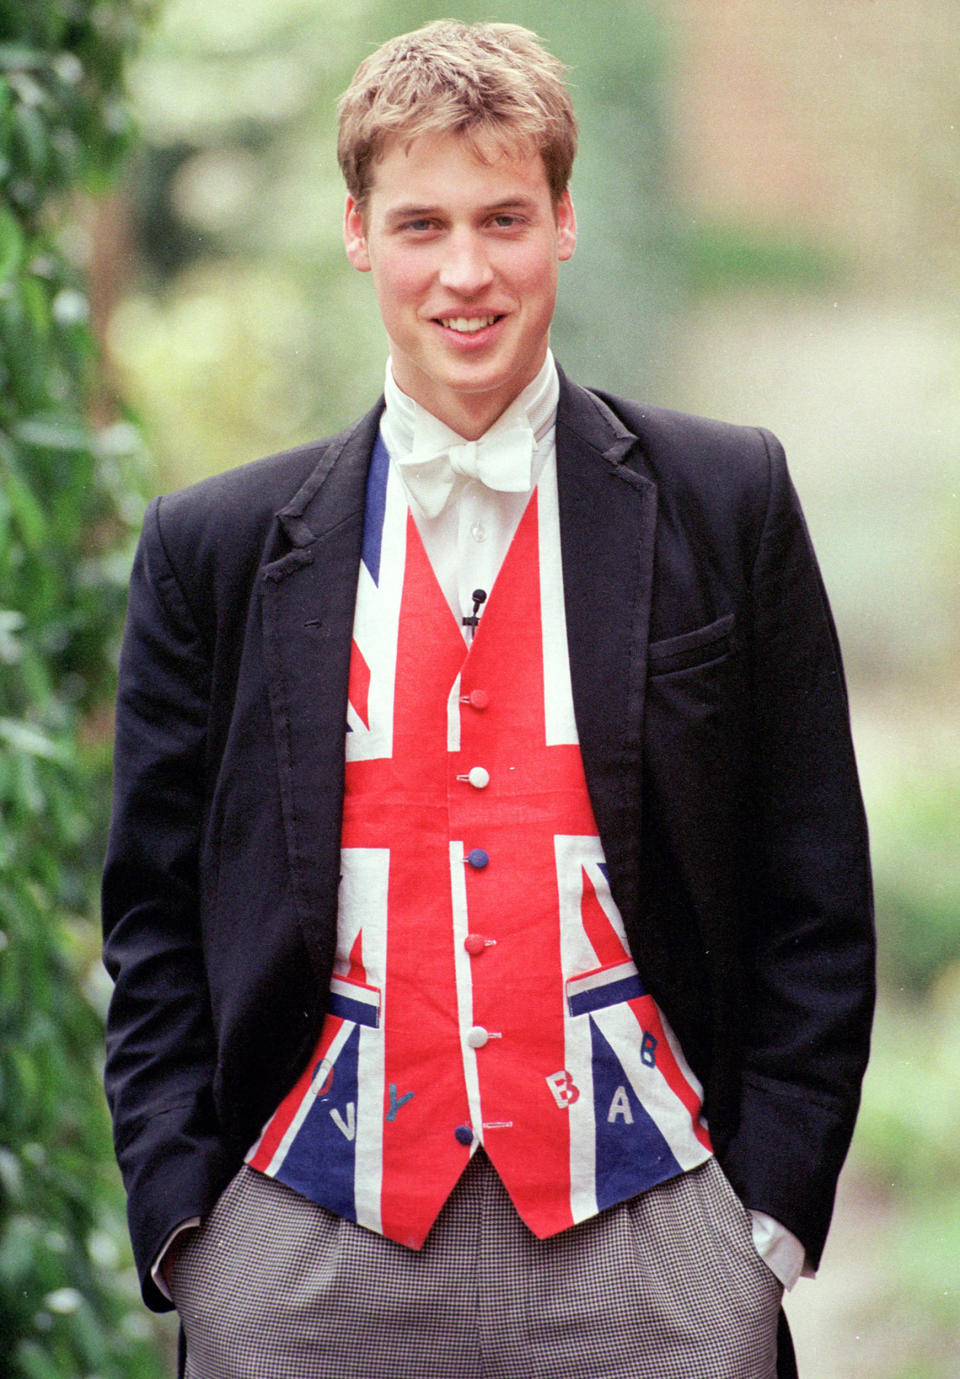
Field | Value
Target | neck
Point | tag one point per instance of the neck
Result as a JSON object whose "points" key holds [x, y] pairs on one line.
{"points": [[470, 415], [472, 422]]}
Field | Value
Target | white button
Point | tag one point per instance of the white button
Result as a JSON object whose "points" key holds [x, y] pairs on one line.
{"points": [[478, 531], [477, 1037], [479, 777]]}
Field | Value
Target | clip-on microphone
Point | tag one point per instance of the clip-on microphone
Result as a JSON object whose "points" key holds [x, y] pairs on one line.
{"points": [[479, 596]]}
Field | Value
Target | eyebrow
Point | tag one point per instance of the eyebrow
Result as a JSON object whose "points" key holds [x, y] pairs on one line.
{"points": [[411, 211]]}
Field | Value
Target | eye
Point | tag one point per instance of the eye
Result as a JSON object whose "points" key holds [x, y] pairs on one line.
{"points": [[507, 221], [419, 225]]}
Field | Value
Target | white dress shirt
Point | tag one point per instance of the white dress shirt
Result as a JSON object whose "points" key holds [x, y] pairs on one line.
{"points": [[468, 539]]}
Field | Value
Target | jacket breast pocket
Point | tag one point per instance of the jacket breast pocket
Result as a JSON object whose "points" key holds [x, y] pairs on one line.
{"points": [[691, 649]]}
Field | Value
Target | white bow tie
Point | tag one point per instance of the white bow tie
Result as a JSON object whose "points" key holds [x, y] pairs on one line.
{"points": [[502, 458]]}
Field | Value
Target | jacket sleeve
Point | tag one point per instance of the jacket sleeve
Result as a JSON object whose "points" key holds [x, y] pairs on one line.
{"points": [[809, 949], [160, 1048]]}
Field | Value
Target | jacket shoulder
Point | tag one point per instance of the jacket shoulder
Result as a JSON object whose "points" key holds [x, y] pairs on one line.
{"points": [[238, 505], [721, 488], [211, 538], [680, 447], [726, 473]]}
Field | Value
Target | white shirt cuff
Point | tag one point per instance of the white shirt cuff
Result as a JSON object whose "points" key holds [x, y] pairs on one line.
{"points": [[779, 1249], [156, 1269]]}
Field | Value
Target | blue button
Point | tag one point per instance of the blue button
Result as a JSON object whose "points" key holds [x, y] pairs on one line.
{"points": [[464, 1134], [477, 858]]}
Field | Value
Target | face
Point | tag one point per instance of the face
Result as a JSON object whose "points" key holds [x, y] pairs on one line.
{"points": [[464, 256]]}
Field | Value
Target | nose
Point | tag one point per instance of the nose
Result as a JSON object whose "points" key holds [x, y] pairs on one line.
{"points": [[465, 268]]}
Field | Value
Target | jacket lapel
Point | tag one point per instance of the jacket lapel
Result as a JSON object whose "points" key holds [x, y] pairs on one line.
{"points": [[308, 597], [607, 525]]}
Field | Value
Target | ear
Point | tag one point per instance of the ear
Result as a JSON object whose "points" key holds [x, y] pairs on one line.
{"points": [[566, 228], [355, 237]]}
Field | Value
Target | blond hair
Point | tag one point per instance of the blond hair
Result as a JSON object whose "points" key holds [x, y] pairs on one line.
{"points": [[481, 81]]}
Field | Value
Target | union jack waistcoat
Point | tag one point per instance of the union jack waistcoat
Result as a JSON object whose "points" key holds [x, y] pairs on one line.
{"points": [[483, 991]]}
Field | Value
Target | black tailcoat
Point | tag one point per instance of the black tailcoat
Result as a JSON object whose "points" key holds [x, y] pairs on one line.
{"points": [[713, 724]]}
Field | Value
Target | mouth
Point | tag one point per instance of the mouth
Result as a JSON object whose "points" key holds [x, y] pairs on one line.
{"points": [[467, 325]]}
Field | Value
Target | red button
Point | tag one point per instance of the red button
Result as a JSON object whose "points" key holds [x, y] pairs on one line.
{"points": [[478, 699], [474, 944]]}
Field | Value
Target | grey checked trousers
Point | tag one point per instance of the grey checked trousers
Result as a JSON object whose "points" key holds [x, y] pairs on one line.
{"points": [[666, 1285]]}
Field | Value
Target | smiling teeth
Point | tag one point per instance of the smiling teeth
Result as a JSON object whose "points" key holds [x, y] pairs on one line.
{"points": [[467, 325]]}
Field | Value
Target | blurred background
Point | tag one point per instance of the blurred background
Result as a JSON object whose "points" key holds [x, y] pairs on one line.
{"points": [[768, 194]]}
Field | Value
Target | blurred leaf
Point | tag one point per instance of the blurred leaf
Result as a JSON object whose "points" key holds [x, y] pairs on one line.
{"points": [[23, 738], [15, 58], [11, 244], [53, 432], [30, 135], [25, 510]]}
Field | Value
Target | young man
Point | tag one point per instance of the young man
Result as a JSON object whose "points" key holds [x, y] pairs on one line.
{"points": [[487, 892]]}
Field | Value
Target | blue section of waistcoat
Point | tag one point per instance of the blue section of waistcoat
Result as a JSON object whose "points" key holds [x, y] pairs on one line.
{"points": [[612, 993], [321, 1140], [375, 509], [632, 1155]]}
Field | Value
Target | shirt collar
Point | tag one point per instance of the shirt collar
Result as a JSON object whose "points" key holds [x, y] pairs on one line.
{"points": [[399, 422]]}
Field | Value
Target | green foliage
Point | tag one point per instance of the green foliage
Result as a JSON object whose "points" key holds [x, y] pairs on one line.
{"points": [[68, 1306], [917, 877], [726, 256], [907, 1130], [906, 1146]]}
